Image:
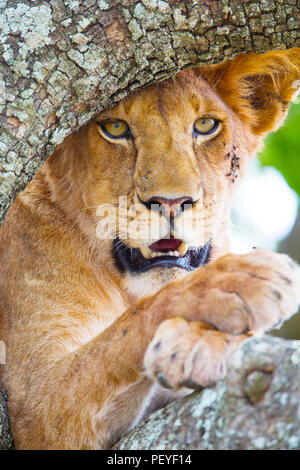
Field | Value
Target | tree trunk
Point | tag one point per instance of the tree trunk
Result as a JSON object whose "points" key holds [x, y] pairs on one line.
{"points": [[256, 407], [63, 61]]}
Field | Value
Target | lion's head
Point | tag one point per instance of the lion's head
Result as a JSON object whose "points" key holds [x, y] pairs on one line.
{"points": [[152, 179]]}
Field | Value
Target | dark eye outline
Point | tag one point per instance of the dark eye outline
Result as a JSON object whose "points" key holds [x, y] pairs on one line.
{"points": [[127, 134], [197, 132]]}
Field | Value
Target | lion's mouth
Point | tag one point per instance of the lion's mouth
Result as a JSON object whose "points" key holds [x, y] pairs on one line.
{"points": [[163, 253]]}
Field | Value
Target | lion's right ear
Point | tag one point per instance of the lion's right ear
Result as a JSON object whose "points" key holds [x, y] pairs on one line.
{"points": [[259, 87]]}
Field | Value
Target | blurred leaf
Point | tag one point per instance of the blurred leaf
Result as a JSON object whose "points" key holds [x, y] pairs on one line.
{"points": [[282, 149]]}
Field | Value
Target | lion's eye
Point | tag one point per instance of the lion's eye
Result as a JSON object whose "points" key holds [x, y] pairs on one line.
{"points": [[205, 125], [115, 129]]}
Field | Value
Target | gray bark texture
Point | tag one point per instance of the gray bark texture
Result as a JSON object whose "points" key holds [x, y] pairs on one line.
{"points": [[256, 407], [63, 61], [6, 441]]}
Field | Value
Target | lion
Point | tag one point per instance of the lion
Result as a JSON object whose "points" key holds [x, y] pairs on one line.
{"points": [[118, 291]]}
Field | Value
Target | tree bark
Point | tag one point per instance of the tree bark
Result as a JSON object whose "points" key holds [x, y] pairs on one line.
{"points": [[6, 441], [256, 407], [63, 61]]}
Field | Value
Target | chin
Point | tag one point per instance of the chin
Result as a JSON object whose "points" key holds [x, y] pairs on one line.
{"points": [[149, 282]]}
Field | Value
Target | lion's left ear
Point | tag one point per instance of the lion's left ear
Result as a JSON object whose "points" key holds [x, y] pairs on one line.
{"points": [[258, 87]]}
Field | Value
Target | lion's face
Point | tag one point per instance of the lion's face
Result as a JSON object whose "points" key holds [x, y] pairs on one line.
{"points": [[159, 174], [160, 179]]}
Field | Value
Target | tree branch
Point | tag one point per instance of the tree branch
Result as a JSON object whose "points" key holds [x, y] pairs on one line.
{"points": [[63, 61], [256, 407]]}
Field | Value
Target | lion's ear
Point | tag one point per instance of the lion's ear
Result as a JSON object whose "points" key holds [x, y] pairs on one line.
{"points": [[258, 87]]}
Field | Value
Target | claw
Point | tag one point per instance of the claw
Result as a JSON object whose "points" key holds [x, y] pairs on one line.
{"points": [[161, 379], [189, 383]]}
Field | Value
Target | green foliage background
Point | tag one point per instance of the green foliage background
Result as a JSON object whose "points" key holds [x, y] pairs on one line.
{"points": [[282, 149]]}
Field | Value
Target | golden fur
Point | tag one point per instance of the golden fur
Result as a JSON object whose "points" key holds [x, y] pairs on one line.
{"points": [[86, 342]]}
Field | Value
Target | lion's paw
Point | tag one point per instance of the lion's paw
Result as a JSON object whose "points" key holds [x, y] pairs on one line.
{"points": [[183, 354], [255, 292]]}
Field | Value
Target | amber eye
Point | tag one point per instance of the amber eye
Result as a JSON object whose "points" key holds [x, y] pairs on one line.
{"points": [[205, 125], [116, 129]]}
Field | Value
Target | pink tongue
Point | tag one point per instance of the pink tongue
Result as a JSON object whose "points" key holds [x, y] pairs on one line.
{"points": [[166, 245]]}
